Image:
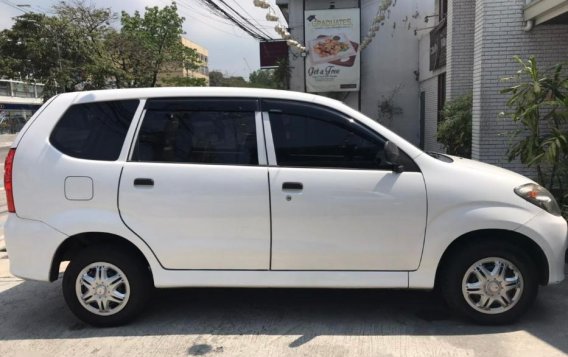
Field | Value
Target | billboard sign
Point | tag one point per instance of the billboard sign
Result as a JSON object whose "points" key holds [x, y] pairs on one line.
{"points": [[332, 40], [271, 52]]}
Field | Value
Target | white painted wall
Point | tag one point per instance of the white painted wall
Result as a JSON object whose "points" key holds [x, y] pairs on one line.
{"points": [[387, 63]]}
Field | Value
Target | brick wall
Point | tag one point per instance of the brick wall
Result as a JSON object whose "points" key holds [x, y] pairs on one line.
{"points": [[460, 41], [498, 37]]}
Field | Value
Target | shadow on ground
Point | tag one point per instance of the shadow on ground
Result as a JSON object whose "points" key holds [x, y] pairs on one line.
{"points": [[34, 310]]}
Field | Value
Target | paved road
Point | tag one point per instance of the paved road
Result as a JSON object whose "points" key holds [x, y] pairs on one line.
{"points": [[273, 322]]}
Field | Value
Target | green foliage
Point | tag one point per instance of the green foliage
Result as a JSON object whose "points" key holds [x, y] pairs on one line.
{"points": [[262, 78], [277, 78], [217, 79], [539, 103], [55, 50], [77, 48], [184, 82], [150, 44], [454, 130], [282, 73]]}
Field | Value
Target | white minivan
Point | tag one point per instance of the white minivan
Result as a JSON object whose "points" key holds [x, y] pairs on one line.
{"points": [[221, 187]]}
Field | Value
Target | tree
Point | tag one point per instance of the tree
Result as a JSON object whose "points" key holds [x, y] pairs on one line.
{"points": [[539, 102], [262, 78], [87, 27], [454, 131], [30, 50], [218, 79], [282, 73], [185, 82], [150, 44], [62, 51], [77, 48]]}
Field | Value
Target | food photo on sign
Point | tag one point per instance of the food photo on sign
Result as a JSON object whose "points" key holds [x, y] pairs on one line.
{"points": [[337, 49], [332, 38]]}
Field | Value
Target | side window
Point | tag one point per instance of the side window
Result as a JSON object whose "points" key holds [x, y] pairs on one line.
{"points": [[94, 131], [197, 135], [306, 135], [302, 141], [321, 138]]}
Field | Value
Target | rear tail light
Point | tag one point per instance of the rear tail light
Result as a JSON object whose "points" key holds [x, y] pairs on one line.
{"points": [[8, 180]]}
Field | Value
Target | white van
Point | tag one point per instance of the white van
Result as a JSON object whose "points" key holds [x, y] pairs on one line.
{"points": [[211, 187]]}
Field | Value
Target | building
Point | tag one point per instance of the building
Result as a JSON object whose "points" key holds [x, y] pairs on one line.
{"points": [[389, 86], [174, 70], [18, 102], [482, 38], [450, 48]]}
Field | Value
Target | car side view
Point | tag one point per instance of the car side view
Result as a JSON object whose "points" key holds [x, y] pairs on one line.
{"points": [[225, 187]]}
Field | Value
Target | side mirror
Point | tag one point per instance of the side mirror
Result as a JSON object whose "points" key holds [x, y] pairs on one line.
{"points": [[391, 155]]}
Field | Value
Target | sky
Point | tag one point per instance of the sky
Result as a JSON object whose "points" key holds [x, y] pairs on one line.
{"points": [[231, 50]]}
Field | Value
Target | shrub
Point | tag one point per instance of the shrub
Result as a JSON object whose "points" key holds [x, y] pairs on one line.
{"points": [[539, 103], [454, 130]]}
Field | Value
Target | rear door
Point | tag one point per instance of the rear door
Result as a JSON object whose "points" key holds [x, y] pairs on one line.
{"points": [[196, 185]]}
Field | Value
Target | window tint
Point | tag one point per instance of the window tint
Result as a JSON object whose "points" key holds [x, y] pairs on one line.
{"points": [[198, 136], [307, 135], [94, 131], [316, 142]]}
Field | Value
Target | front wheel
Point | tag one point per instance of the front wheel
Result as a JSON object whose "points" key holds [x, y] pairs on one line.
{"points": [[490, 283], [106, 287]]}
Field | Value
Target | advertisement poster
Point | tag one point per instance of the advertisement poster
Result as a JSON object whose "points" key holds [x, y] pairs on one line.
{"points": [[332, 41]]}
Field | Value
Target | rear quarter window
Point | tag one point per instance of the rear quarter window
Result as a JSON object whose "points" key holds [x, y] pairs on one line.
{"points": [[94, 131]]}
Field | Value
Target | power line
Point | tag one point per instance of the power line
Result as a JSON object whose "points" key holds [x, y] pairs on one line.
{"points": [[196, 11], [267, 36], [14, 6], [195, 16], [246, 12], [243, 23]]}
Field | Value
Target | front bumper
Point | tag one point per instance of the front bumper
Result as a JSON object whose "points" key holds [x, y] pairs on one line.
{"points": [[551, 234], [31, 246]]}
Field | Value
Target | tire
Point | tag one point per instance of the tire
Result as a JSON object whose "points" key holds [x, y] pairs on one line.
{"points": [[114, 283], [490, 283]]}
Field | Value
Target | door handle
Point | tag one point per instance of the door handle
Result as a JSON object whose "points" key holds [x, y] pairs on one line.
{"points": [[143, 182], [296, 186]]}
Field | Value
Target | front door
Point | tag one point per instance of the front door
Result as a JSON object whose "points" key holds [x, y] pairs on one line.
{"points": [[336, 203], [194, 190]]}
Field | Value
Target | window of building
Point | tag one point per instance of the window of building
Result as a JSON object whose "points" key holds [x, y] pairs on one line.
{"points": [[220, 133], [94, 131], [442, 9], [441, 94], [5, 88]]}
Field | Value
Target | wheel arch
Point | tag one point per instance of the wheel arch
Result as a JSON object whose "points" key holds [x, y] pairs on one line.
{"points": [[533, 250], [73, 244]]}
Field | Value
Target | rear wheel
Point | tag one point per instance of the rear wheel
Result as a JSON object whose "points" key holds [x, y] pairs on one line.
{"points": [[490, 283], [106, 287]]}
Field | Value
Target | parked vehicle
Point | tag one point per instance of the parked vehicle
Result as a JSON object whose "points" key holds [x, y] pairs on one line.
{"points": [[211, 187], [11, 125]]}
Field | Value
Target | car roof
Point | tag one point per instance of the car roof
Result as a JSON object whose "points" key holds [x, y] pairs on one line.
{"points": [[169, 92]]}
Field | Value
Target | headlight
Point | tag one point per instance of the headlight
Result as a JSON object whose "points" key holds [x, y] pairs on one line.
{"points": [[539, 196]]}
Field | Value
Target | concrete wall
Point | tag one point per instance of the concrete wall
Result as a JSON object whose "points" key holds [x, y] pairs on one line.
{"points": [[499, 36], [430, 88], [388, 63]]}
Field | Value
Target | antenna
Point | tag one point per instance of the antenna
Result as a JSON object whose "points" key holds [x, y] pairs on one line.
{"points": [[246, 62]]}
